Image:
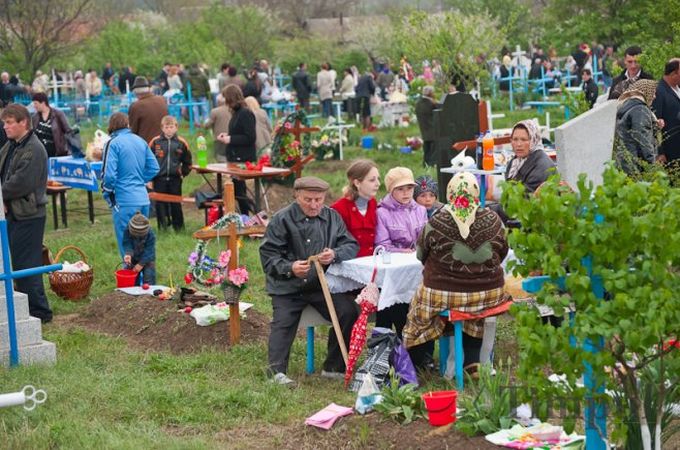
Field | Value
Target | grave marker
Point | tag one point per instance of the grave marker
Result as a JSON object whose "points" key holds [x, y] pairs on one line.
{"points": [[584, 144]]}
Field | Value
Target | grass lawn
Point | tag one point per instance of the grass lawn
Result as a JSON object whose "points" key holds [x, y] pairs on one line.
{"points": [[104, 393]]}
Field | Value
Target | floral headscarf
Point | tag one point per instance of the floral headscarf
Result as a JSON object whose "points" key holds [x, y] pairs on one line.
{"points": [[462, 196], [643, 89], [535, 143]]}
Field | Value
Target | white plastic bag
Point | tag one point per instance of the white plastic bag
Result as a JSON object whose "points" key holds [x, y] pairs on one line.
{"points": [[210, 314], [368, 395]]}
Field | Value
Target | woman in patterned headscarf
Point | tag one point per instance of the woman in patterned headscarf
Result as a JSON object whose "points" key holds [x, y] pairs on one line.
{"points": [[635, 122], [461, 248], [530, 166]]}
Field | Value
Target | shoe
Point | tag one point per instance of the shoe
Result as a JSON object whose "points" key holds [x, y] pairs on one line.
{"points": [[282, 379], [45, 320], [333, 375], [472, 370]]}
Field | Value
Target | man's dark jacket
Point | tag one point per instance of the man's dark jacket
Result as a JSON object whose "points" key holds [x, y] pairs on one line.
{"points": [[666, 106], [25, 183], [292, 236]]}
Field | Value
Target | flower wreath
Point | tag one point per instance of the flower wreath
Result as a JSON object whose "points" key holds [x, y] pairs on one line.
{"points": [[205, 270], [286, 149]]}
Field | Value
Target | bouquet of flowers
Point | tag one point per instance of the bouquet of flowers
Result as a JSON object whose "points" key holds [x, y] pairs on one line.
{"points": [[286, 149], [414, 142], [209, 272], [328, 145]]}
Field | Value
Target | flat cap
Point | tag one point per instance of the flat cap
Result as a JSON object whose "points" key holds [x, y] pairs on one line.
{"points": [[311, 184]]}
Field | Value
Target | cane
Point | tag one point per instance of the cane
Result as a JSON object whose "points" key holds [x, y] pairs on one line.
{"points": [[331, 308]]}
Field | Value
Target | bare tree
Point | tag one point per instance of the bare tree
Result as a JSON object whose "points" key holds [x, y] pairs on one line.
{"points": [[38, 31]]}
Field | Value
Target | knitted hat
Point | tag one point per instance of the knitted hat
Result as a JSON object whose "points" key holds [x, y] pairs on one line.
{"points": [[139, 225], [398, 176], [425, 183]]}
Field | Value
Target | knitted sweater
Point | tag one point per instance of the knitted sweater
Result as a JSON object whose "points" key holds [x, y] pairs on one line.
{"points": [[455, 264]]}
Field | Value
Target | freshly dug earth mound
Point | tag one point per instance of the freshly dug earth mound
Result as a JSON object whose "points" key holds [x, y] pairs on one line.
{"points": [[146, 322]]}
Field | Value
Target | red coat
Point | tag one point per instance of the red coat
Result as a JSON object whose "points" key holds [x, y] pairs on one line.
{"points": [[361, 227]]}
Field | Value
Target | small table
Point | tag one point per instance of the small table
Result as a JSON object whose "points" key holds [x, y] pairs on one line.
{"points": [[399, 280], [54, 191], [482, 173], [241, 174]]}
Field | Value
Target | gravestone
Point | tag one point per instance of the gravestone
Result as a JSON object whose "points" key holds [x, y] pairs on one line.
{"points": [[457, 120], [584, 144], [32, 348]]}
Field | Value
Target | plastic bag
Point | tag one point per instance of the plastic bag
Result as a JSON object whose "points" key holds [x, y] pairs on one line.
{"points": [[368, 396], [210, 314], [377, 363], [403, 366]]}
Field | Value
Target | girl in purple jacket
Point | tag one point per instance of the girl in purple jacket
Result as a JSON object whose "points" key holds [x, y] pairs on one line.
{"points": [[400, 221], [400, 218]]}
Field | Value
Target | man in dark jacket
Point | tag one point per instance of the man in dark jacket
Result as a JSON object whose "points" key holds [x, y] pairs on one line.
{"points": [[666, 105], [23, 172], [629, 76], [125, 79], [425, 113], [200, 91], [302, 86], [146, 113], [303, 229], [3, 135], [364, 90], [589, 87]]}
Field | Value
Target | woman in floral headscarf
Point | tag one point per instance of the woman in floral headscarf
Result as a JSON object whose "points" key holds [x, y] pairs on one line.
{"points": [[635, 127], [461, 247], [530, 166]]}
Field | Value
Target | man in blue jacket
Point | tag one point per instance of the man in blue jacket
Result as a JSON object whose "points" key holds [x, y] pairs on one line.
{"points": [[128, 165]]}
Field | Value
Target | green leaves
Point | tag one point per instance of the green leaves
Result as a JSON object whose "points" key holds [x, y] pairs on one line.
{"points": [[635, 250], [402, 404]]}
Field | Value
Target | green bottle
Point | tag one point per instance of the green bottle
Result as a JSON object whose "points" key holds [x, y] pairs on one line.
{"points": [[201, 152]]}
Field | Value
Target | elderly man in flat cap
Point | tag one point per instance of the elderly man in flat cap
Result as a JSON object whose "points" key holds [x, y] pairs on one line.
{"points": [[302, 229]]}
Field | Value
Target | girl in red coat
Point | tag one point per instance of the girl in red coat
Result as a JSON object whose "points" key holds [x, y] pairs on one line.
{"points": [[358, 206]]}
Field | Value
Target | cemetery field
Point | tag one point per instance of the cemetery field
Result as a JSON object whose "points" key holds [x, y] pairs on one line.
{"points": [[108, 390]]}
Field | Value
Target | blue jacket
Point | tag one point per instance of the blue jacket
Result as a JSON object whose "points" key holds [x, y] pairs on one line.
{"points": [[142, 250], [128, 165]]}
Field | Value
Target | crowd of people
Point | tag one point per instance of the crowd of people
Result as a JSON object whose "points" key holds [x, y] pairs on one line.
{"points": [[447, 235]]}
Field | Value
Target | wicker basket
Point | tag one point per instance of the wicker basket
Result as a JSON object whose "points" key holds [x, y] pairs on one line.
{"points": [[71, 286], [231, 294]]}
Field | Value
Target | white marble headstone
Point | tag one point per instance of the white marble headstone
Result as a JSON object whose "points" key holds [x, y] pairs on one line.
{"points": [[584, 144]]}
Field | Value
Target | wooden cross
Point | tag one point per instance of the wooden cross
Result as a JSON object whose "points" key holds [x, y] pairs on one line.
{"points": [[232, 234], [297, 131]]}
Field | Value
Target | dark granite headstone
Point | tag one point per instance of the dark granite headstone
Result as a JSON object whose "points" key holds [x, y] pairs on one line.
{"points": [[457, 120]]}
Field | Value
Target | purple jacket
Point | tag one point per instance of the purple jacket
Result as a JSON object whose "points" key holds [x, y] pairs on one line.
{"points": [[399, 225]]}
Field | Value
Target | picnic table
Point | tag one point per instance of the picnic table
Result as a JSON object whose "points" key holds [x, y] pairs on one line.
{"points": [[220, 169]]}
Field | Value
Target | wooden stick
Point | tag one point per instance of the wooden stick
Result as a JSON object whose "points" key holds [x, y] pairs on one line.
{"points": [[232, 245], [331, 307]]}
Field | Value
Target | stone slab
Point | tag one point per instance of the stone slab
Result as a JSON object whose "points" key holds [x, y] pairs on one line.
{"points": [[584, 144], [41, 353], [20, 306], [29, 332]]}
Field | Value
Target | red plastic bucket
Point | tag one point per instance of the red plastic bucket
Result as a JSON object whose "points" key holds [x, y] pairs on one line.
{"points": [[126, 278], [441, 407]]}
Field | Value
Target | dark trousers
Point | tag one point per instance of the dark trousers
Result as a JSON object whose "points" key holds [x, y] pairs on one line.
{"points": [[241, 194], [394, 315], [327, 107], [287, 312], [169, 213], [148, 272], [25, 245], [429, 153]]}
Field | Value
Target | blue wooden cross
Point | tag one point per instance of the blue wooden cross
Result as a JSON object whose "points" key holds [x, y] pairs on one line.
{"points": [[595, 413], [9, 276]]}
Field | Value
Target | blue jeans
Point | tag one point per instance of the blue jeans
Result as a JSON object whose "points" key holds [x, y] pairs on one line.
{"points": [[200, 111], [327, 107], [121, 217]]}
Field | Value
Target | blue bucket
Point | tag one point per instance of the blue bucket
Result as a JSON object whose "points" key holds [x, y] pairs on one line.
{"points": [[367, 142], [406, 149]]}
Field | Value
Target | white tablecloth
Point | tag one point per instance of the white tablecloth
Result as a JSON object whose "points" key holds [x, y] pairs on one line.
{"points": [[397, 280]]}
